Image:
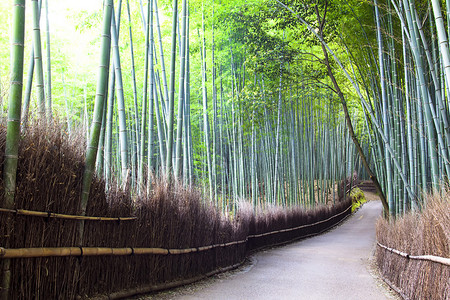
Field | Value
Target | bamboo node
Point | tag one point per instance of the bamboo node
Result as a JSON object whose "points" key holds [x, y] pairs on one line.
{"points": [[13, 120]]}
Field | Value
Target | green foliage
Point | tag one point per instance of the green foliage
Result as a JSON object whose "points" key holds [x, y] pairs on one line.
{"points": [[358, 198]]}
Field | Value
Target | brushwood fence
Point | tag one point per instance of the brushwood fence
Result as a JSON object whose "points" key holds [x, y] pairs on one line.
{"points": [[155, 265], [407, 273], [413, 251], [138, 244]]}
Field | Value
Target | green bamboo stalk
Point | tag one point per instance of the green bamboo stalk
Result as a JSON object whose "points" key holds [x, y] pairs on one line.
{"points": [[69, 122], [28, 88], [109, 126], [120, 101], [187, 113], [165, 103], [170, 115], [150, 158], [443, 40], [133, 76], [91, 151], [38, 59], [13, 127], [205, 114], [387, 158], [49, 69], [144, 98], [160, 128], [181, 93]]}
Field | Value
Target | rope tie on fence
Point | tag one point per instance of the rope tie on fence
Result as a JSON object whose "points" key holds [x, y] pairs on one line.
{"points": [[437, 259], [47, 219]]}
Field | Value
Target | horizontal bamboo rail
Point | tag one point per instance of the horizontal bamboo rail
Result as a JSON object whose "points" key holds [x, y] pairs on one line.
{"points": [[99, 251], [32, 213], [298, 227], [437, 259]]}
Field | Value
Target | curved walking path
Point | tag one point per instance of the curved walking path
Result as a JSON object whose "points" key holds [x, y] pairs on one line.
{"points": [[335, 265]]}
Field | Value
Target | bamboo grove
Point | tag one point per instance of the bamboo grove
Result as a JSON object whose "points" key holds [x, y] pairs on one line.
{"points": [[193, 105], [408, 91], [265, 102], [237, 133], [401, 79]]}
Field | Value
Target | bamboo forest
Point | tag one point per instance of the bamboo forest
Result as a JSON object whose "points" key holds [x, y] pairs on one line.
{"points": [[151, 144]]}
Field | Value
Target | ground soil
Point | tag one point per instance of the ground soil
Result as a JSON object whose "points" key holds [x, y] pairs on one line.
{"points": [[336, 265]]}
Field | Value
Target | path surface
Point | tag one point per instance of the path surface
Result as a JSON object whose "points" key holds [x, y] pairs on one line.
{"points": [[335, 265]]}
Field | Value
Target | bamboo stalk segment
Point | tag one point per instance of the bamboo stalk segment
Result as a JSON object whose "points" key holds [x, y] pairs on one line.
{"points": [[182, 251], [204, 248], [39, 252], [156, 251], [25, 212]]}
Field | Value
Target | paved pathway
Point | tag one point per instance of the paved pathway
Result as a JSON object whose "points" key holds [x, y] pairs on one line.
{"points": [[335, 265]]}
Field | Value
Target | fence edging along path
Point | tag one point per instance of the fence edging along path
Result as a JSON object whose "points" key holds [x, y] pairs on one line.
{"points": [[152, 288], [437, 259], [104, 251]]}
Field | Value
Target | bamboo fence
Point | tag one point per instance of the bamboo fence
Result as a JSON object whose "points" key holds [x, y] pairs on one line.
{"points": [[254, 240], [437, 259], [104, 251]]}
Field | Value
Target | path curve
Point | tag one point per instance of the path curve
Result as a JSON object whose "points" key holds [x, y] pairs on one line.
{"points": [[335, 265]]}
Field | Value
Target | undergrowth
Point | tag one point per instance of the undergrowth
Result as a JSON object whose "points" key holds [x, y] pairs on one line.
{"points": [[358, 198]]}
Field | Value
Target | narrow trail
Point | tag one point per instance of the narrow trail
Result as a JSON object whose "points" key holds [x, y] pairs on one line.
{"points": [[335, 265]]}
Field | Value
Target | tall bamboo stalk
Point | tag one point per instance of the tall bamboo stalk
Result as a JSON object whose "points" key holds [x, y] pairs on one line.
{"points": [[13, 127], [38, 59], [181, 93], [49, 69], [170, 114], [120, 100], [91, 151]]}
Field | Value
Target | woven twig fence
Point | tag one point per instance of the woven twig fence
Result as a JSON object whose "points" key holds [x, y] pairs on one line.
{"points": [[401, 261], [234, 250], [104, 251]]}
